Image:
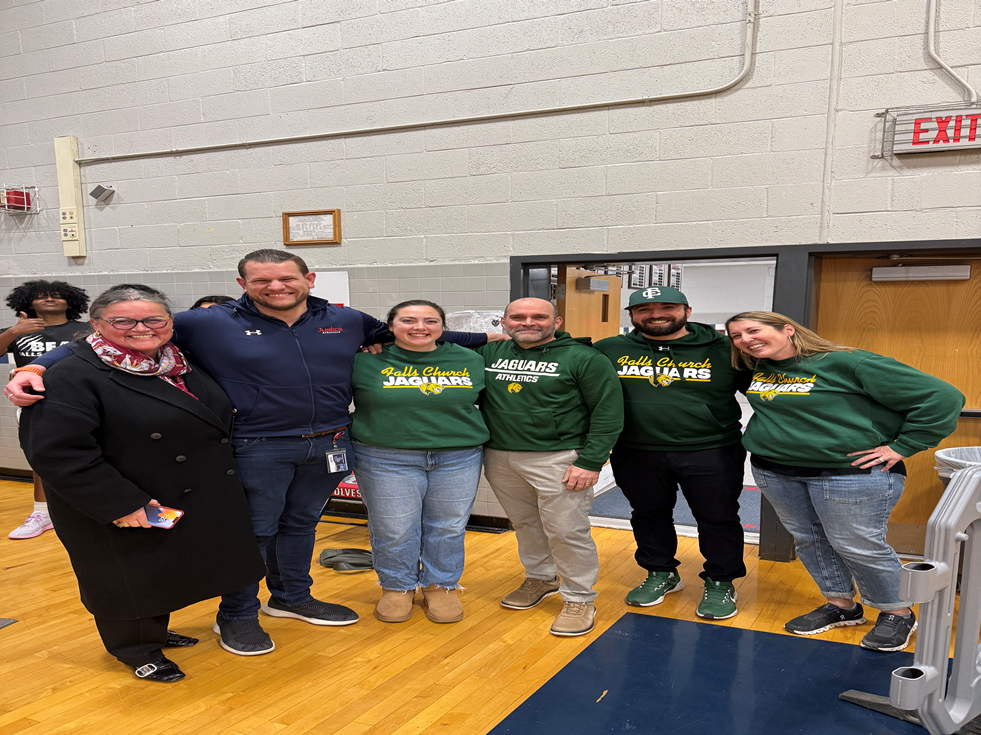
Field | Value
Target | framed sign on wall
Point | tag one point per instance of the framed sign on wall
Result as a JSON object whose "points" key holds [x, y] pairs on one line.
{"points": [[318, 227]]}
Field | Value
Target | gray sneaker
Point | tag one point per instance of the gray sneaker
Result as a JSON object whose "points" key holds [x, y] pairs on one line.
{"points": [[243, 637], [314, 612], [575, 619], [530, 593], [890, 633]]}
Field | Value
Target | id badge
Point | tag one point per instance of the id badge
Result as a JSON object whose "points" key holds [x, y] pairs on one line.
{"points": [[337, 460]]}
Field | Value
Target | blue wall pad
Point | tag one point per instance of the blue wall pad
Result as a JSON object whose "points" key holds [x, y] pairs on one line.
{"points": [[613, 504], [648, 674]]}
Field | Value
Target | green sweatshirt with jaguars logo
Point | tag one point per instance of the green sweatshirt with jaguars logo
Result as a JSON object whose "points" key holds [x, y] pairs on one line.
{"points": [[679, 394], [560, 395], [418, 400], [813, 411]]}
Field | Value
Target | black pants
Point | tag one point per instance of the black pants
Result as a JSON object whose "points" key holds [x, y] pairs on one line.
{"points": [[711, 480], [134, 642]]}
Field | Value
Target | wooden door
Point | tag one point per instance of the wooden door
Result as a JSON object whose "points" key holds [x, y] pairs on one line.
{"points": [[935, 326], [593, 314]]}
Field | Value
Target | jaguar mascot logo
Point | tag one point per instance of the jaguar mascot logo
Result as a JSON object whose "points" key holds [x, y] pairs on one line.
{"points": [[769, 395], [431, 389], [514, 387], [664, 380]]}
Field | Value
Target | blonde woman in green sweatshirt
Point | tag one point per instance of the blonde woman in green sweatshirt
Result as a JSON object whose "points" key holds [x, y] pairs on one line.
{"points": [[831, 427]]}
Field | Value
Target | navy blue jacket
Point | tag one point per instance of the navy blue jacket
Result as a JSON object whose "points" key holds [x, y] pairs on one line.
{"points": [[282, 380]]}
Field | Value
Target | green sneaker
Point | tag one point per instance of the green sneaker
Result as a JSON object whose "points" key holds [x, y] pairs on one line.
{"points": [[653, 589], [718, 602]]}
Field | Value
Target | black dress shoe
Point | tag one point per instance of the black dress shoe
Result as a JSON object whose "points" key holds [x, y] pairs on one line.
{"points": [[163, 670], [176, 640]]}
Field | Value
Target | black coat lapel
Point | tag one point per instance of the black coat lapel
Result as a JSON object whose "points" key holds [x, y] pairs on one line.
{"points": [[205, 408]]}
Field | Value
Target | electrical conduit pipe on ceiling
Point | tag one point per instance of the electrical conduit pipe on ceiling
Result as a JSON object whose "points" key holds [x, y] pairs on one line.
{"points": [[748, 51], [972, 93]]}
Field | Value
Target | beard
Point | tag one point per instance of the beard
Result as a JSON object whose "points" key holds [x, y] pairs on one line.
{"points": [[530, 336], [660, 330]]}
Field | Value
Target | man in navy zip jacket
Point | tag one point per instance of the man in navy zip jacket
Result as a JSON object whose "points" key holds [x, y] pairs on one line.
{"points": [[284, 358]]}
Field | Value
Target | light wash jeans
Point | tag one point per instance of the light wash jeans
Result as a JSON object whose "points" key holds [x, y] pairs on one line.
{"points": [[839, 528], [418, 506], [551, 524]]}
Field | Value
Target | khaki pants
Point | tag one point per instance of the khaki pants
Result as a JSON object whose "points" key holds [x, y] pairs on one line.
{"points": [[550, 522]]}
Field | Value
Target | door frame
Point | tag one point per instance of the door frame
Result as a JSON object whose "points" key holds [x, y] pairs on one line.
{"points": [[793, 295]]}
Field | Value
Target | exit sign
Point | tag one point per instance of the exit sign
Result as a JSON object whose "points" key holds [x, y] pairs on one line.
{"points": [[938, 130]]}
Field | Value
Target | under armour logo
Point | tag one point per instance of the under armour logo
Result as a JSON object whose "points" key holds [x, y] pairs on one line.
{"points": [[258, 331], [651, 293]]}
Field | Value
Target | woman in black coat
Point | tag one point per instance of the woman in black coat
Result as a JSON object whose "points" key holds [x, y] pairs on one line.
{"points": [[127, 423]]}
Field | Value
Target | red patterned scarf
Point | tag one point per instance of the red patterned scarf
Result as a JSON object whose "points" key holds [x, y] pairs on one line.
{"points": [[170, 368]]}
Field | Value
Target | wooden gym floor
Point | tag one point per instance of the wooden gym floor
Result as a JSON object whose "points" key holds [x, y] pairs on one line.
{"points": [[413, 677]]}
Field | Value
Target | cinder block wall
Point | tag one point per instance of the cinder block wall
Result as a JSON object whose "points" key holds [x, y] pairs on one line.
{"points": [[783, 158]]}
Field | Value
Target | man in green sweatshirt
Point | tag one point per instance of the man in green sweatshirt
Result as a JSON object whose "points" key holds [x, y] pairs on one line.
{"points": [[681, 427], [554, 410]]}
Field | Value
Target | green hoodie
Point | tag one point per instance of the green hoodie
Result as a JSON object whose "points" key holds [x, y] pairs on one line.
{"points": [[679, 394], [559, 395], [812, 412]]}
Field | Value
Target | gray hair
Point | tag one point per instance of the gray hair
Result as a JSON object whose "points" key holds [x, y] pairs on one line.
{"points": [[127, 292]]}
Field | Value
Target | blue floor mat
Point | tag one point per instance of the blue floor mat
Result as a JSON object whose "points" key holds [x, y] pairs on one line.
{"points": [[649, 674], [612, 504]]}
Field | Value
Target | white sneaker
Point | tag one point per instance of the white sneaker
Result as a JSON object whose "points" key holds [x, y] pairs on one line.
{"points": [[34, 526]]}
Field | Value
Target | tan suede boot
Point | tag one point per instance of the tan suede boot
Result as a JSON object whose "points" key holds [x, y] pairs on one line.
{"points": [[394, 606], [442, 605]]}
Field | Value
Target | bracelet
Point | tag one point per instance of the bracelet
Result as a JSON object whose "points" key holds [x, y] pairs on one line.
{"points": [[36, 369]]}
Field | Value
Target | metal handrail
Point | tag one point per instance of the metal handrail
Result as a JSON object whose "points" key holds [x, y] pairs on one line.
{"points": [[944, 705]]}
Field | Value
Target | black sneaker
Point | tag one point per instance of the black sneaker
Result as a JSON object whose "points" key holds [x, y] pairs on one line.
{"points": [[890, 633], [314, 612], [243, 637], [826, 617]]}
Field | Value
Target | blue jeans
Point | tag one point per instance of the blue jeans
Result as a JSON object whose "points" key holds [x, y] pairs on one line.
{"points": [[418, 505], [287, 484], [839, 528]]}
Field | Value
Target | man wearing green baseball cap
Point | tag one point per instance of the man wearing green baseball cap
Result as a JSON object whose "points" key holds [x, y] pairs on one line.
{"points": [[681, 427]]}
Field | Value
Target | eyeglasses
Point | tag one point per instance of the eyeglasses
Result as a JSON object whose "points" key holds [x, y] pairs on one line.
{"points": [[151, 322]]}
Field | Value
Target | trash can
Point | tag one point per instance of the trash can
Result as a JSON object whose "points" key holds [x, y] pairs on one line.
{"points": [[948, 461]]}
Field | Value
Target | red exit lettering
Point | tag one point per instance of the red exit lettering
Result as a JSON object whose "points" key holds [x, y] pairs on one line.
{"points": [[919, 130], [943, 124]]}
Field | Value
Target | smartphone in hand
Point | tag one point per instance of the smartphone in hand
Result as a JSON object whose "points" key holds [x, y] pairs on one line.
{"points": [[161, 516]]}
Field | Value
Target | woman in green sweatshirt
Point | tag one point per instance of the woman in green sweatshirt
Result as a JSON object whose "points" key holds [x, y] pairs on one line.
{"points": [[830, 429], [417, 440]]}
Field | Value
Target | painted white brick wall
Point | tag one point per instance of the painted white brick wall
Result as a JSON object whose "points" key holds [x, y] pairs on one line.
{"points": [[755, 165]]}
